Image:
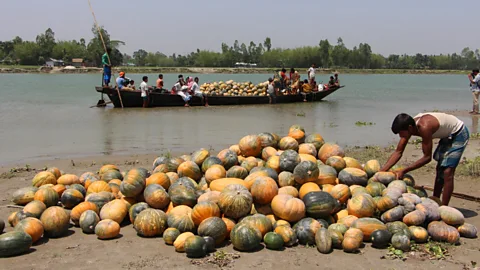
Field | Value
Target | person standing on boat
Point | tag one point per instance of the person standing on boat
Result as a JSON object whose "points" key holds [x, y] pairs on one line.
{"points": [[145, 88], [107, 68], [197, 92], [337, 81], [160, 82], [311, 74], [453, 135], [474, 78], [306, 89], [271, 91]]}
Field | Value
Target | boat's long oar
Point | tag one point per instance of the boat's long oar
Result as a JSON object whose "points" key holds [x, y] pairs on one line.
{"points": [[105, 48]]}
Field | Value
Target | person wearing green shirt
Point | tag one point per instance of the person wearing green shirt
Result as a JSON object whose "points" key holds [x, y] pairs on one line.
{"points": [[107, 67]]}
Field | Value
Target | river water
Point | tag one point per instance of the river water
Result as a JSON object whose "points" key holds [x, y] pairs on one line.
{"points": [[48, 116]]}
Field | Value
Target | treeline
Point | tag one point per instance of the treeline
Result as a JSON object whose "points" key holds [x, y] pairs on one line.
{"points": [[326, 55]]}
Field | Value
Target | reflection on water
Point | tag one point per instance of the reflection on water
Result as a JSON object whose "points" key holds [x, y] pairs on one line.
{"points": [[48, 116]]}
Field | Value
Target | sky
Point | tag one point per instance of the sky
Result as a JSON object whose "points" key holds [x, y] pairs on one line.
{"points": [[182, 26]]}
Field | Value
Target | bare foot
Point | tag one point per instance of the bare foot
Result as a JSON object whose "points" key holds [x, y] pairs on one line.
{"points": [[186, 105], [206, 105]]}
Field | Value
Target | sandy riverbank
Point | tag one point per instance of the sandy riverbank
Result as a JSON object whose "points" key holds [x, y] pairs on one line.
{"points": [[205, 70], [132, 252]]}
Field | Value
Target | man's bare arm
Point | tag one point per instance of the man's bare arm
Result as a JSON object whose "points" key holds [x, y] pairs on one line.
{"points": [[395, 157], [427, 145]]}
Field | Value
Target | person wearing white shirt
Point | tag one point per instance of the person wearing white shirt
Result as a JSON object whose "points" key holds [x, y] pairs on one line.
{"points": [[198, 93], [144, 89], [474, 78], [181, 89], [311, 74]]}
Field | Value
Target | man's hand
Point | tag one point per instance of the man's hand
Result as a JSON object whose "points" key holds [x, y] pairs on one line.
{"points": [[400, 174]]}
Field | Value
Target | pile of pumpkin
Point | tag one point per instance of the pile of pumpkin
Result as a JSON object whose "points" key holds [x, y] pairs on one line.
{"points": [[282, 191], [231, 88]]}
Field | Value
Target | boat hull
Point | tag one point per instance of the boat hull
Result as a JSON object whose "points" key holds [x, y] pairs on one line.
{"points": [[133, 99]]}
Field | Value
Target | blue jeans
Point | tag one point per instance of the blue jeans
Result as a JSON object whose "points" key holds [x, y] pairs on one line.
{"points": [[107, 75]]}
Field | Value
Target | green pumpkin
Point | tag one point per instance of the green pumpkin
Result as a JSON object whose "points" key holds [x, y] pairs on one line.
{"points": [[408, 179], [210, 244], [195, 247], [158, 161], [268, 139], [237, 172], [136, 209], [286, 179], [170, 235], [466, 230], [214, 227], [289, 159], [209, 162], [380, 238], [134, 183], [305, 171], [341, 228], [319, 204], [150, 222], [79, 188], [14, 243], [180, 217], [337, 239], [375, 189], [24, 195], [235, 201], [100, 199], [323, 241], [271, 172], [315, 139], [397, 227], [401, 241], [71, 198], [352, 176], [88, 220], [199, 156], [228, 158], [182, 192], [394, 214], [110, 175], [372, 167], [273, 241], [245, 237], [305, 230]]}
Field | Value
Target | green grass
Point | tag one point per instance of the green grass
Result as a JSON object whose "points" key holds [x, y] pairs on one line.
{"points": [[469, 167]]}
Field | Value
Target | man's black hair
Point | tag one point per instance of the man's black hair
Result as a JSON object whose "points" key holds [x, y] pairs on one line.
{"points": [[305, 81], [284, 70], [475, 70], [402, 122], [145, 78], [292, 70], [196, 79], [160, 75], [180, 76]]}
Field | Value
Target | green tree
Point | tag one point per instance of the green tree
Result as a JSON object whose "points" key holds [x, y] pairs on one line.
{"points": [[340, 54], [139, 57], [96, 50], [268, 44], [324, 51], [46, 42], [28, 52]]}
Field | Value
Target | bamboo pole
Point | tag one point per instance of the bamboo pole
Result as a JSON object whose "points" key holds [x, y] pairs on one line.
{"points": [[105, 48]]}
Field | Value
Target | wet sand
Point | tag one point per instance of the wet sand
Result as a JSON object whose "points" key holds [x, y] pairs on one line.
{"points": [[80, 251]]}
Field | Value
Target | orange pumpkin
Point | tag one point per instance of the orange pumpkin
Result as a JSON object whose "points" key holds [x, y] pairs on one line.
{"points": [[107, 167], [274, 163], [307, 148], [328, 150], [71, 198], [352, 163], [47, 195], [235, 201], [159, 178], [68, 179], [59, 188], [78, 210], [341, 192], [288, 235], [156, 196], [306, 157], [199, 156], [235, 148], [337, 162], [173, 176], [268, 152], [361, 205], [189, 169], [55, 171], [264, 209], [288, 143], [150, 222], [341, 214], [115, 210], [35, 208], [250, 145], [368, 226], [179, 243], [306, 188], [263, 190], [215, 172], [32, 227], [327, 188], [180, 217], [107, 229], [230, 224], [43, 178], [209, 196], [347, 220], [98, 186], [204, 210], [288, 208], [288, 190], [55, 221], [298, 135], [352, 240], [220, 184]]}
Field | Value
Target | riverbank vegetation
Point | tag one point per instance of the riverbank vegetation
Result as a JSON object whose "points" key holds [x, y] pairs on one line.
{"points": [[326, 55]]}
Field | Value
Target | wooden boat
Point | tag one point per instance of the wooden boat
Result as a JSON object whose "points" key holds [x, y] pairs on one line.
{"points": [[156, 99]]}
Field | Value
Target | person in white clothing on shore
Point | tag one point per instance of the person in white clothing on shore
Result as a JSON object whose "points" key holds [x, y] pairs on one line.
{"points": [[474, 78]]}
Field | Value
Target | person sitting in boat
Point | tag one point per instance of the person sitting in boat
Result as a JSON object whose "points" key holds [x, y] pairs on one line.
{"points": [[159, 84], [131, 85], [294, 81], [195, 89], [337, 81], [121, 81], [181, 89], [283, 78], [306, 89], [331, 82]]}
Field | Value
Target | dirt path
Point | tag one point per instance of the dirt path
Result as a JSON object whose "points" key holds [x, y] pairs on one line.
{"points": [[80, 251]]}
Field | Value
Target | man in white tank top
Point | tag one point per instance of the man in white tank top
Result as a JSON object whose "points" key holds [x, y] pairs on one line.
{"points": [[453, 137]]}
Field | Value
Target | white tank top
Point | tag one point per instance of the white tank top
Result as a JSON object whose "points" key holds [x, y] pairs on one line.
{"points": [[449, 124]]}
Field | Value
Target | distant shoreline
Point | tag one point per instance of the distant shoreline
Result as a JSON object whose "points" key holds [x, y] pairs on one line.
{"points": [[204, 70]]}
